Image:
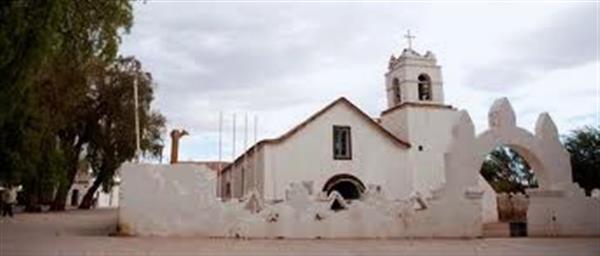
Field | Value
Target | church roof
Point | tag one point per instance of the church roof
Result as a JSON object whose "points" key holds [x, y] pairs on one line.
{"points": [[297, 128]]}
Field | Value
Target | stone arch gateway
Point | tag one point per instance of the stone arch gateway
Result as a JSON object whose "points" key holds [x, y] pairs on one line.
{"points": [[558, 206]]}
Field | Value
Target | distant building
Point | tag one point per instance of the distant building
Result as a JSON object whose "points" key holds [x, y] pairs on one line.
{"points": [[83, 181]]}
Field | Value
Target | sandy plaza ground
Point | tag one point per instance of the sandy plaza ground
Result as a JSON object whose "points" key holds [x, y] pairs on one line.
{"points": [[86, 233]]}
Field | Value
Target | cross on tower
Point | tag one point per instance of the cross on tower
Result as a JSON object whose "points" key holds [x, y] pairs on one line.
{"points": [[409, 38]]}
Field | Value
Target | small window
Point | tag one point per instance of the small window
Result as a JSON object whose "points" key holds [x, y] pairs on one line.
{"points": [[342, 145], [424, 87]]}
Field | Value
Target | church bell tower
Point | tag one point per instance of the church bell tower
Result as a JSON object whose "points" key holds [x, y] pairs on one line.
{"points": [[416, 113], [413, 78]]}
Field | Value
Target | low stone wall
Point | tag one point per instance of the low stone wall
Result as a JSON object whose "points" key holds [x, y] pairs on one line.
{"points": [[166, 200]]}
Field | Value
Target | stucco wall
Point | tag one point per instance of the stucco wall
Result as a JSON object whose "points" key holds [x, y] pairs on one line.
{"points": [[427, 129], [179, 200], [308, 156], [559, 213]]}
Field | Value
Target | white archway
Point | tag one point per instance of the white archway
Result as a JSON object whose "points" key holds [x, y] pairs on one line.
{"points": [[542, 150], [558, 206]]}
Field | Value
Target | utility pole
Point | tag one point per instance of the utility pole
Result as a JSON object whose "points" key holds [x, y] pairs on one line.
{"points": [[137, 121]]}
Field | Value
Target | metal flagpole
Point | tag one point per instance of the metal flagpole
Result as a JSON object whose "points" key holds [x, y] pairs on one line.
{"points": [[232, 186], [219, 192], [245, 132], [255, 154], [245, 160], [233, 145], [220, 136]]}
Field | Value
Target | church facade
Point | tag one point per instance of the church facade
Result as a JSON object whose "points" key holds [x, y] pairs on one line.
{"points": [[340, 148]]}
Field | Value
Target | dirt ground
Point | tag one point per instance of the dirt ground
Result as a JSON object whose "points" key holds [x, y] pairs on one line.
{"points": [[86, 233]]}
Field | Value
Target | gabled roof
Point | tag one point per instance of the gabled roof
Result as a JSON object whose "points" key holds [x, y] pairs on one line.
{"points": [[297, 128]]}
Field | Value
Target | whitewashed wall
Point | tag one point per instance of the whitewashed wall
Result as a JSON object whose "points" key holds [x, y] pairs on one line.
{"points": [[563, 213], [428, 127], [168, 200]]}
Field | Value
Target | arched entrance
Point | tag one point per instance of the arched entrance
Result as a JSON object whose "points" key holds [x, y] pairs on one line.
{"points": [[548, 204], [348, 186], [508, 176]]}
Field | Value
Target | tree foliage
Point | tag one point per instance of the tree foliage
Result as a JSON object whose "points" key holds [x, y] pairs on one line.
{"points": [[52, 53], [113, 139], [26, 38], [507, 171], [584, 147]]}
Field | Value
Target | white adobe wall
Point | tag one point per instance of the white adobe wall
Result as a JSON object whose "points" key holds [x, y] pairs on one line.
{"points": [[428, 127], [178, 200], [308, 156], [563, 213]]}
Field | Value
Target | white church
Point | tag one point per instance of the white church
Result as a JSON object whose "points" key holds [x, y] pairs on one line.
{"points": [[342, 148], [411, 172]]}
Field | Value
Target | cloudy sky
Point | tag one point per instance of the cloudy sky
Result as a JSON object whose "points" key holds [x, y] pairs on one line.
{"points": [[282, 62]]}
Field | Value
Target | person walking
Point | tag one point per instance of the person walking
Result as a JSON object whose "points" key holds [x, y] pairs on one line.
{"points": [[9, 199]]}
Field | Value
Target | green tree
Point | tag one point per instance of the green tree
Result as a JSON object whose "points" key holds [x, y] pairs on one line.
{"points": [[48, 50], [584, 146], [113, 136], [93, 29], [27, 35], [507, 171]]}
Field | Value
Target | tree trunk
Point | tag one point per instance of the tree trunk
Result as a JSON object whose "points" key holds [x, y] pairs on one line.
{"points": [[32, 198], [60, 201], [88, 199]]}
